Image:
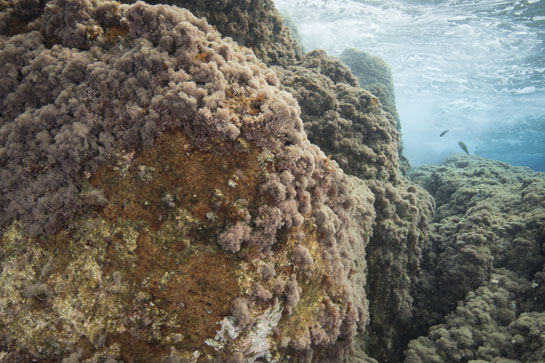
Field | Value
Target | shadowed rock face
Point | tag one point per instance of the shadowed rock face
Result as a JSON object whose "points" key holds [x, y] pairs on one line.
{"points": [[346, 121], [483, 263], [349, 123], [162, 200], [373, 75]]}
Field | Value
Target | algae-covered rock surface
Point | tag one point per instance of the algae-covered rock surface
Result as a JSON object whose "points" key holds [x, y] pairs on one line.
{"points": [[483, 264], [256, 24], [168, 197], [167, 202], [375, 75], [162, 201], [346, 121], [350, 124]]}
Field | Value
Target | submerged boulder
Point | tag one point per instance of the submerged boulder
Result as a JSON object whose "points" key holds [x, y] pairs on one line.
{"points": [[375, 76], [162, 201], [346, 121]]}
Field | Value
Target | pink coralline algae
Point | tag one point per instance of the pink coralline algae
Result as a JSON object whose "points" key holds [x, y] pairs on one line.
{"points": [[109, 116]]}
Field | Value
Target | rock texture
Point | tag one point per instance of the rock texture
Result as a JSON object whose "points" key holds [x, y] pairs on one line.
{"points": [[162, 200], [349, 123], [375, 76], [346, 121], [255, 24], [483, 264], [404, 211]]}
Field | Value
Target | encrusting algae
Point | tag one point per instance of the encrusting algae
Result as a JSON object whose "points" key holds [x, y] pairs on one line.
{"points": [[152, 264], [171, 207], [145, 274]]}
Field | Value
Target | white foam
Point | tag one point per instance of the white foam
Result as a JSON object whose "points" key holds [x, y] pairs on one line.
{"points": [[468, 64], [525, 90]]}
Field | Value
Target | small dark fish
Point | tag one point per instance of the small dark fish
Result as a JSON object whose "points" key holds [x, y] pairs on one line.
{"points": [[463, 147], [443, 133]]}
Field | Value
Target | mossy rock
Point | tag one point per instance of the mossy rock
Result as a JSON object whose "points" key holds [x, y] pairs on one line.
{"points": [[374, 75]]}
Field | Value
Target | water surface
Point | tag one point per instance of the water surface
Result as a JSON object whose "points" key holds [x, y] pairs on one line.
{"points": [[476, 68]]}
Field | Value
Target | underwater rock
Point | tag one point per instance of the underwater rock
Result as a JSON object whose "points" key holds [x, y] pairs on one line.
{"points": [[483, 263], [489, 325], [404, 212], [349, 123], [254, 24], [375, 76], [344, 120], [162, 199]]}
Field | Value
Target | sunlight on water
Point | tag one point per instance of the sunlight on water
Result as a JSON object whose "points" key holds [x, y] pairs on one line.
{"points": [[474, 67]]}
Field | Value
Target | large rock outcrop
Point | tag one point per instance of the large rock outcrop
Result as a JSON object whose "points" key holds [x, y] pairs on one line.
{"points": [[375, 76], [349, 123], [346, 121], [161, 199], [483, 264]]}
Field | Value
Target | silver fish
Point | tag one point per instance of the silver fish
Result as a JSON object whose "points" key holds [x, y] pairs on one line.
{"points": [[463, 146]]}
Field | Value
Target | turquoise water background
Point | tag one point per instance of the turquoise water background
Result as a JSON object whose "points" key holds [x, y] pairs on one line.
{"points": [[476, 68]]}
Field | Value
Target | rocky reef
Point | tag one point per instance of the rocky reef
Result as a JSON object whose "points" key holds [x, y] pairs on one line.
{"points": [[168, 204], [171, 195], [482, 289], [374, 75], [255, 24], [350, 124], [346, 121]]}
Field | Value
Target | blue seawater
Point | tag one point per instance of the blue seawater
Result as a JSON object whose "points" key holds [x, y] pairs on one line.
{"points": [[476, 68]]}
